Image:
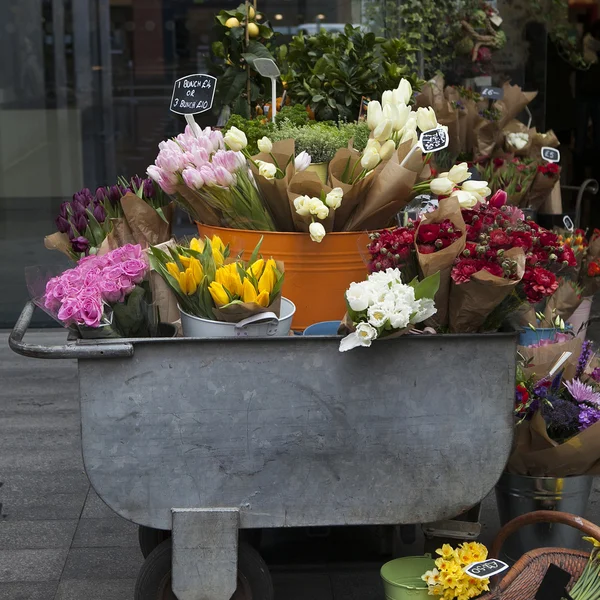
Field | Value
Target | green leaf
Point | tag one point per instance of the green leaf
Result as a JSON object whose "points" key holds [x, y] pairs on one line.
{"points": [[428, 287], [256, 251]]}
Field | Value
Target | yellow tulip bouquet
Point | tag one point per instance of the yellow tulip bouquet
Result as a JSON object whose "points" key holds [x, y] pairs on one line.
{"points": [[210, 285], [449, 580]]}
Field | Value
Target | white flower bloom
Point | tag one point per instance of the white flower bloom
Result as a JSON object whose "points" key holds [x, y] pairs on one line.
{"points": [[317, 208], [383, 131], [317, 232], [235, 139], [477, 187], [425, 309], [363, 336], [374, 114], [401, 317], [518, 140], [358, 296], [379, 313], [459, 173], [387, 98], [404, 113], [267, 170], [334, 198], [387, 150], [404, 91], [390, 112], [441, 186], [465, 199], [373, 143], [426, 119], [301, 204], [302, 161], [370, 158], [265, 145]]}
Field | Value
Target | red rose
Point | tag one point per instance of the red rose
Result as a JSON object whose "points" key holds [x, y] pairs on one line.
{"points": [[522, 239], [538, 256], [429, 232], [468, 214], [569, 256], [492, 267], [538, 283], [464, 269], [473, 231], [426, 248], [499, 239], [547, 238], [472, 248]]}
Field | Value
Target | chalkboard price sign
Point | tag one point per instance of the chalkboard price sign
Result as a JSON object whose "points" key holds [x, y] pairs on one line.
{"points": [[550, 154], [434, 140], [492, 93], [486, 568], [193, 94]]}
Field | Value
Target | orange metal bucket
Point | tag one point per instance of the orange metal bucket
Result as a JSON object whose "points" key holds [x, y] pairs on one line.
{"points": [[316, 275]]}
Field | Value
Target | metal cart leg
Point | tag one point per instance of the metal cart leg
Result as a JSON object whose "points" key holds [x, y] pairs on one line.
{"points": [[205, 553]]}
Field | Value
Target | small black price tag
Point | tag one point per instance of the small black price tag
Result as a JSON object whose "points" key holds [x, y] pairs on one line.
{"points": [[486, 568], [550, 154], [434, 140], [492, 93], [193, 94]]}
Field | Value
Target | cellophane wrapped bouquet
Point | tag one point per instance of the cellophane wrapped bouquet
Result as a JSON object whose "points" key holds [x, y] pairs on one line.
{"points": [[558, 416], [103, 296]]}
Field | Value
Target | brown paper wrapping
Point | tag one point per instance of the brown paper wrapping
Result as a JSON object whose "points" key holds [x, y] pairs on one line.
{"points": [[543, 358], [513, 102], [59, 241], [432, 93], [487, 136], [553, 203], [539, 140], [535, 454], [274, 191], [353, 194], [540, 190], [442, 260], [515, 126], [390, 192], [196, 205], [594, 247], [472, 302], [563, 303], [237, 312], [522, 317], [308, 183]]}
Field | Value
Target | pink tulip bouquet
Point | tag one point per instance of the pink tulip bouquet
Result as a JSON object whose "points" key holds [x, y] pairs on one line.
{"points": [[103, 296], [213, 184]]}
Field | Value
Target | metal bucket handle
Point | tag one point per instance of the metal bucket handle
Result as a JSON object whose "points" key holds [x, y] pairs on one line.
{"points": [[270, 318], [543, 516], [104, 350]]}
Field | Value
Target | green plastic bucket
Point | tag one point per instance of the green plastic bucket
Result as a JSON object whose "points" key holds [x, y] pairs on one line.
{"points": [[402, 578]]}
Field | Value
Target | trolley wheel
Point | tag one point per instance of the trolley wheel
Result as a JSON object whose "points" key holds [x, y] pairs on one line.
{"points": [[154, 579], [149, 538]]}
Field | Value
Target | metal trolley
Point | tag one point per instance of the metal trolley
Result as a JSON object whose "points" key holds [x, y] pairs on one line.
{"points": [[205, 437]]}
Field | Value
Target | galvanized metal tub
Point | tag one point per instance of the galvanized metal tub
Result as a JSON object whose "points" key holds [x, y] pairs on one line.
{"points": [[286, 432]]}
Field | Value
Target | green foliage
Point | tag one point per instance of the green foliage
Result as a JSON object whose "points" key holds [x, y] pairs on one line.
{"points": [[240, 86], [331, 72], [295, 114], [254, 130]]}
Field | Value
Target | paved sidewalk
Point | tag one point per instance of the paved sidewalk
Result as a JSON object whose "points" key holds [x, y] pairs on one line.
{"points": [[58, 541]]}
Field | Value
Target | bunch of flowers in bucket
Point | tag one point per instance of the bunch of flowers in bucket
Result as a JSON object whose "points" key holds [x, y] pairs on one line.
{"points": [[496, 263], [210, 285], [383, 307], [103, 296], [211, 183], [557, 408], [449, 580]]}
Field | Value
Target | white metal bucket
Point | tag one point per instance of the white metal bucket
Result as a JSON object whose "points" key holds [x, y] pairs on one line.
{"points": [[262, 325]]}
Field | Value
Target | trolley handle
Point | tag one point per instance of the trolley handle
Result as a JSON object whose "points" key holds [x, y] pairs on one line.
{"points": [[104, 350]]}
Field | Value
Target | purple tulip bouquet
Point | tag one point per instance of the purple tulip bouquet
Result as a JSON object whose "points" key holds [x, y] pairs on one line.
{"points": [[86, 219], [103, 296]]}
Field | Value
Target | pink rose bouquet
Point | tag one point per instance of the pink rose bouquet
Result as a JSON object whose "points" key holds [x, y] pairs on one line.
{"points": [[210, 181], [102, 293]]}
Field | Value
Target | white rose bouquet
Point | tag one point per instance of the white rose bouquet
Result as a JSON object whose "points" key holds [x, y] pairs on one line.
{"points": [[383, 306]]}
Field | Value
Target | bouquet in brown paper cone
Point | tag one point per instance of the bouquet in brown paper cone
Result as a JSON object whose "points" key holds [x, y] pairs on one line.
{"points": [[272, 182], [314, 205], [210, 286], [132, 212], [558, 412], [565, 301], [513, 102], [517, 138], [539, 140], [440, 238], [543, 183]]}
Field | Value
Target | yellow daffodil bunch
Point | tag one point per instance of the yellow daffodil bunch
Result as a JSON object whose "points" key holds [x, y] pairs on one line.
{"points": [[448, 580], [203, 279]]}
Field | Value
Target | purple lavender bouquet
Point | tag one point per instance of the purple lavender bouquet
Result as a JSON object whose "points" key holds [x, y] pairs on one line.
{"points": [[103, 296], [558, 428]]}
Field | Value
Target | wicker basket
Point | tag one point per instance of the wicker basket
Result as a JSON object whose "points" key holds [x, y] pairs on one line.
{"points": [[525, 577]]}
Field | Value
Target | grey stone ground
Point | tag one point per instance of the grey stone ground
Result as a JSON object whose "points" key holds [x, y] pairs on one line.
{"points": [[58, 541]]}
